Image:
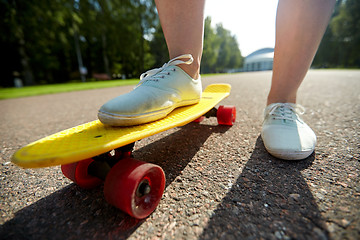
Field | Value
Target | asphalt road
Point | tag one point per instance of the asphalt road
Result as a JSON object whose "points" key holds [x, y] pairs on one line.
{"points": [[221, 182]]}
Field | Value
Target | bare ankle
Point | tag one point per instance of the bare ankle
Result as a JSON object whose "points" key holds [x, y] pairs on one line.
{"points": [[193, 69], [278, 98]]}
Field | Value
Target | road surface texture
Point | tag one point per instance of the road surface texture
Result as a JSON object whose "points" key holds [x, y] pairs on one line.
{"points": [[220, 181]]}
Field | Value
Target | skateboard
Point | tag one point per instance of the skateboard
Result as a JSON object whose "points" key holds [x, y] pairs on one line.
{"points": [[93, 153]]}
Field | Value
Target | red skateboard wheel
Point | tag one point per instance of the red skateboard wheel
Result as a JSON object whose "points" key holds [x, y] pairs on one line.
{"points": [[226, 115], [200, 119], [78, 173], [135, 187]]}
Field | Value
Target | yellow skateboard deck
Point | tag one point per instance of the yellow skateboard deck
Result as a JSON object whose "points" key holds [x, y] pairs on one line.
{"points": [[94, 138]]}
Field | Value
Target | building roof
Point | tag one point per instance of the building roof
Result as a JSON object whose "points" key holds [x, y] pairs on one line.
{"points": [[260, 55]]}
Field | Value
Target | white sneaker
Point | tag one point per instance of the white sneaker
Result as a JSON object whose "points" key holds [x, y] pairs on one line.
{"points": [[285, 134], [159, 92]]}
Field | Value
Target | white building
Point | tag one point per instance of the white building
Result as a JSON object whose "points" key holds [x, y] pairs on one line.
{"points": [[259, 60]]}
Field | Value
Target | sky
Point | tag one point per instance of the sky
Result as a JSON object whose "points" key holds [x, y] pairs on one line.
{"points": [[251, 21]]}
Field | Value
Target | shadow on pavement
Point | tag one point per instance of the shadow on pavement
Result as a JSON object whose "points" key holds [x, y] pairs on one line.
{"points": [[270, 200], [175, 151], [75, 213]]}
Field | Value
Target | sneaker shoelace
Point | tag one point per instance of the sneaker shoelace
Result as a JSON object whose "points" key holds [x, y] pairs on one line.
{"points": [[159, 73], [285, 111]]}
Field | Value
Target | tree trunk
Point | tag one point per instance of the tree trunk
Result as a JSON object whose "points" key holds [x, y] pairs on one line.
{"points": [[79, 57], [27, 72], [105, 57]]}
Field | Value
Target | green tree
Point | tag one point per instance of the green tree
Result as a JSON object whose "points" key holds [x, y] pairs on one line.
{"points": [[116, 31], [236, 60], [223, 36], [221, 50], [158, 47], [211, 48], [37, 36], [340, 46], [346, 30], [45, 38]]}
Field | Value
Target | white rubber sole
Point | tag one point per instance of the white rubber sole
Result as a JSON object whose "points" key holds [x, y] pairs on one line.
{"points": [[290, 155], [132, 120]]}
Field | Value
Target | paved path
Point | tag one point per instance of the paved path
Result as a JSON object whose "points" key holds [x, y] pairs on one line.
{"points": [[221, 183]]}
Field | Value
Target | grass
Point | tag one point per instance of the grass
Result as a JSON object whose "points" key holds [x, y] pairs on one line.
{"points": [[6, 93]]}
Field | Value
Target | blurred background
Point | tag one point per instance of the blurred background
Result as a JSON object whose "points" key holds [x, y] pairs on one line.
{"points": [[58, 41]]}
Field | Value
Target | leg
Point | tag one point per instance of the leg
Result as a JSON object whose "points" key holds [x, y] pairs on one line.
{"points": [[183, 26], [178, 82], [300, 26]]}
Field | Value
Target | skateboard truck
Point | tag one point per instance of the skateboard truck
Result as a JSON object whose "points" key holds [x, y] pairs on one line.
{"points": [[211, 113], [225, 115], [103, 163]]}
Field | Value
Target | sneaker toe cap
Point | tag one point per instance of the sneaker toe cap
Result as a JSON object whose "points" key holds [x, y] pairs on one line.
{"points": [[289, 140]]}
